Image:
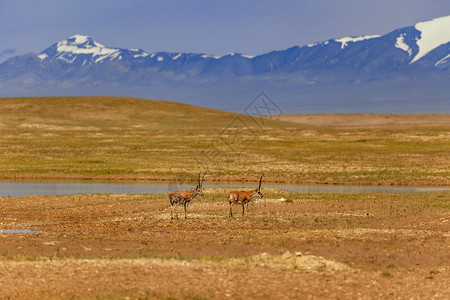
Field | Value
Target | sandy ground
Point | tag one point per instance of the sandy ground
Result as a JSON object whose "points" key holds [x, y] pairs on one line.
{"points": [[289, 246], [150, 278]]}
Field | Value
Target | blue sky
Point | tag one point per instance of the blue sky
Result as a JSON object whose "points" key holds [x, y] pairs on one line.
{"points": [[213, 27]]}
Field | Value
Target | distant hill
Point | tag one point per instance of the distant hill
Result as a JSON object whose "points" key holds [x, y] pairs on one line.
{"points": [[406, 70], [111, 113]]}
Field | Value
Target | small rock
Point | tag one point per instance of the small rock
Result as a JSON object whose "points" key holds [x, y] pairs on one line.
{"points": [[52, 243], [286, 255]]}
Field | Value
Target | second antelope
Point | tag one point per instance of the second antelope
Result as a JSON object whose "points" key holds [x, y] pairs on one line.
{"points": [[244, 197], [184, 197]]}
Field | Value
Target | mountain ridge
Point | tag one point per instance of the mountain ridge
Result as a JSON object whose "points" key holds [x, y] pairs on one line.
{"points": [[80, 64]]}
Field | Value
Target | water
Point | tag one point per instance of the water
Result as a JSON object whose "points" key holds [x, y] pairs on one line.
{"points": [[32, 188], [40, 231], [354, 189], [20, 231]]}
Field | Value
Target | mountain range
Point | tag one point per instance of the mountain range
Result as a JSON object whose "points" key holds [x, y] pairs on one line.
{"points": [[406, 70]]}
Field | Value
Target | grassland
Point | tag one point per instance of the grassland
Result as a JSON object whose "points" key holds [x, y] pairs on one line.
{"points": [[290, 246], [307, 245], [133, 139]]}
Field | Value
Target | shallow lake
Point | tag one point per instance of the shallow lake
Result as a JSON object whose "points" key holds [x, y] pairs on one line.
{"points": [[20, 231], [30, 188]]}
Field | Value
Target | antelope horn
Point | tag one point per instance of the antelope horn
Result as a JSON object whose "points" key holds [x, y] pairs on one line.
{"points": [[199, 173], [260, 182], [203, 178]]}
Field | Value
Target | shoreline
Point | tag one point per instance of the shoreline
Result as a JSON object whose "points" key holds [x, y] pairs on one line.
{"points": [[218, 179]]}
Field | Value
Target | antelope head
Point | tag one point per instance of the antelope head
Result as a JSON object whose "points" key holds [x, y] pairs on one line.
{"points": [[199, 187]]}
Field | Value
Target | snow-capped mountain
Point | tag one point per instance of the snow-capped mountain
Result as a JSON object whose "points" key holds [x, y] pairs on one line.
{"points": [[433, 34], [83, 49], [80, 49], [414, 42], [425, 44], [418, 53]]}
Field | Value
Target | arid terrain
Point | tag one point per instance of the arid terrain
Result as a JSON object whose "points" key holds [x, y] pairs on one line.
{"points": [[289, 246]]}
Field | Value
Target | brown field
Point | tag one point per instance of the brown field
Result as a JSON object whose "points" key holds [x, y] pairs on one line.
{"points": [[290, 246], [313, 245]]}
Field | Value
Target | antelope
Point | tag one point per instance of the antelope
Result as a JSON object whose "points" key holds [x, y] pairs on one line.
{"points": [[244, 197], [184, 197]]}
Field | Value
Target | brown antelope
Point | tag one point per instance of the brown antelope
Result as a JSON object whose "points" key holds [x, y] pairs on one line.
{"points": [[184, 197], [244, 197]]}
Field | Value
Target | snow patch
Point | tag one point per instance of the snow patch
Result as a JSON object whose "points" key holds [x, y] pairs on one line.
{"points": [[95, 51], [70, 59], [311, 45], [344, 41], [79, 39], [433, 34], [176, 57], [143, 54], [400, 43], [99, 45], [210, 56], [111, 56], [247, 56], [42, 56], [443, 61], [160, 58]]}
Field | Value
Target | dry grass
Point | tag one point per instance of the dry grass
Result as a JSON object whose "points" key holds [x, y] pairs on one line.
{"points": [[371, 121], [134, 139]]}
